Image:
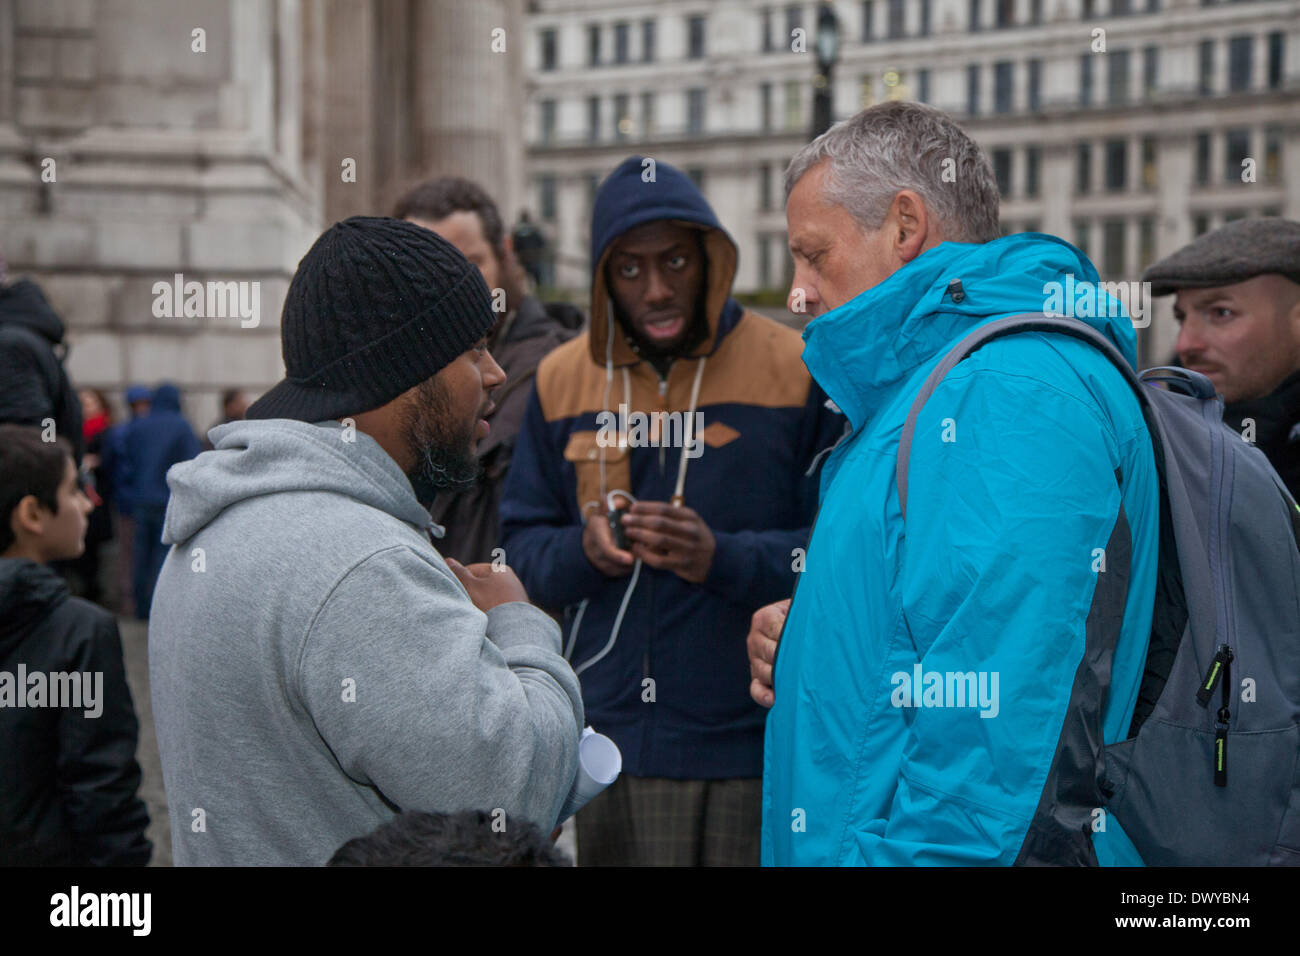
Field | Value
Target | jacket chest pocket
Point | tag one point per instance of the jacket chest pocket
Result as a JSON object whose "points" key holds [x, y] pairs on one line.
{"points": [[586, 454]]}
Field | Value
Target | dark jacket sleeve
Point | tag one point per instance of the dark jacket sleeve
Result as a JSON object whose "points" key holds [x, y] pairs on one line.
{"points": [[542, 540], [97, 770], [36, 387], [761, 564]]}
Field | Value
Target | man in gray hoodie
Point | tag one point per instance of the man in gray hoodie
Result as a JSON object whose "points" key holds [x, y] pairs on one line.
{"points": [[316, 665]]}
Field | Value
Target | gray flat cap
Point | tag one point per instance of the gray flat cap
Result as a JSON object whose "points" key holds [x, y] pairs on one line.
{"points": [[1241, 250]]}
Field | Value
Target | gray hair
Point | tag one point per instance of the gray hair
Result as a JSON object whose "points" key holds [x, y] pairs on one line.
{"points": [[901, 145]]}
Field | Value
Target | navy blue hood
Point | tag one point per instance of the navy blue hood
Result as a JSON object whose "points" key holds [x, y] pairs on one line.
{"points": [[166, 399], [642, 190]]}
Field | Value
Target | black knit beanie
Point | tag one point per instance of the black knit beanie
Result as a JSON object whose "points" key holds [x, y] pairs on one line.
{"points": [[376, 307]]}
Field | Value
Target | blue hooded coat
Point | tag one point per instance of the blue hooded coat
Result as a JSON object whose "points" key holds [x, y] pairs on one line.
{"points": [[935, 703]]}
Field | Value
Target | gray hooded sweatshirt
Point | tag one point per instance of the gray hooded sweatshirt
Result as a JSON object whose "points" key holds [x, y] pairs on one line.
{"points": [[316, 667]]}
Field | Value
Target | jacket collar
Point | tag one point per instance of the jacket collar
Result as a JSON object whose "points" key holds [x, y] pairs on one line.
{"points": [[862, 352]]}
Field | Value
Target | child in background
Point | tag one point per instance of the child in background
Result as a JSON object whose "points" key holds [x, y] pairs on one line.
{"points": [[68, 730]]}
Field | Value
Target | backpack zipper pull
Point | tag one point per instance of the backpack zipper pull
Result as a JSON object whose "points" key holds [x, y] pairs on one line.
{"points": [[1217, 668], [1221, 724]]}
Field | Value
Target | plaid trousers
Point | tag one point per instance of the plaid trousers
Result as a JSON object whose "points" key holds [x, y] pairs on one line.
{"points": [[648, 821]]}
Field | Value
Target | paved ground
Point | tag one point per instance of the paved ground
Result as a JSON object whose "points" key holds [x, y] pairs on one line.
{"points": [[135, 649]]}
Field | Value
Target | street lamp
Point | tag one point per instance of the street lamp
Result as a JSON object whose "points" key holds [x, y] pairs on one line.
{"points": [[827, 46]]}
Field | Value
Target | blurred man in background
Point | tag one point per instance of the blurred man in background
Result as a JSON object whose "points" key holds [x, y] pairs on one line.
{"points": [[1237, 303], [526, 331], [151, 446]]}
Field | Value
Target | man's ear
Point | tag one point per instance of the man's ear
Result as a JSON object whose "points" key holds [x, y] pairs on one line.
{"points": [[911, 224]]}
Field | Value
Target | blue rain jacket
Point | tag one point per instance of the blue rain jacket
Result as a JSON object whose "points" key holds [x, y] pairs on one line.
{"points": [[934, 701]]}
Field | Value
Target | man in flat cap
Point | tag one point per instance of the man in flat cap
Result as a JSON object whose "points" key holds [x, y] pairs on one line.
{"points": [[1237, 302], [316, 665]]}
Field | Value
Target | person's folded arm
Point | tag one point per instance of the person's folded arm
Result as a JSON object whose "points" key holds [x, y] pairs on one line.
{"points": [[436, 704]]}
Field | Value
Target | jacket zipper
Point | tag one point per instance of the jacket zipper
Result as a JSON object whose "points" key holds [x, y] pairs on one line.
{"points": [[1220, 670]]}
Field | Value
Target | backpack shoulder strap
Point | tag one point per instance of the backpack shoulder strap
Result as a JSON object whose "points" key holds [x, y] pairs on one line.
{"points": [[978, 338]]}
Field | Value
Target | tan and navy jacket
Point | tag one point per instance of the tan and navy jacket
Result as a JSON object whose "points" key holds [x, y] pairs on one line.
{"points": [[671, 688]]}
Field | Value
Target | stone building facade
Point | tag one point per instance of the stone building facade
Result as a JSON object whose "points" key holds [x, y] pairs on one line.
{"points": [[145, 139], [1120, 125]]}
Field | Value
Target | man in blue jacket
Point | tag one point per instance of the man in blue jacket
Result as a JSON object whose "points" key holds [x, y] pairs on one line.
{"points": [[695, 423], [151, 445], [945, 683]]}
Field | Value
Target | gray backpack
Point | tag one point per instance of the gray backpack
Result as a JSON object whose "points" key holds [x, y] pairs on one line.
{"points": [[1210, 772]]}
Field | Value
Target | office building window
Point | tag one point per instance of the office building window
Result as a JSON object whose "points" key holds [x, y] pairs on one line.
{"points": [[696, 175], [649, 121], [866, 92], [1081, 235], [593, 119], [895, 26], [1276, 59], [1112, 247], [766, 29], [550, 49], [593, 44], [1116, 165], [793, 21], [1121, 8], [923, 85], [793, 105], [1033, 161], [1087, 10], [765, 187], [973, 90], [1083, 169], [1153, 6], [622, 45], [1003, 79], [1150, 70], [765, 106], [647, 41], [1149, 168], [925, 18], [1117, 77], [974, 14], [1272, 154], [765, 262], [1240, 50], [1202, 158], [1236, 149], [695, 38], [1034, 86], [546, 197], [592, 183], [1200, 224], [1002, 171], [547, 116], [1205, 82], [695, 112], [1035, 12], [1006, 13], [622, 116], [868, 21], [1146, 241], [1085, 79]]}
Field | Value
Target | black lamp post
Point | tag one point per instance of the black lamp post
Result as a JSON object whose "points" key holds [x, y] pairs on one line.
{"points": [[827, 46]]}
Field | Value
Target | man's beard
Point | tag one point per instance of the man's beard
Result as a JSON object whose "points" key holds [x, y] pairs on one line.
{"points": [[444, 456], [696, 332]]}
